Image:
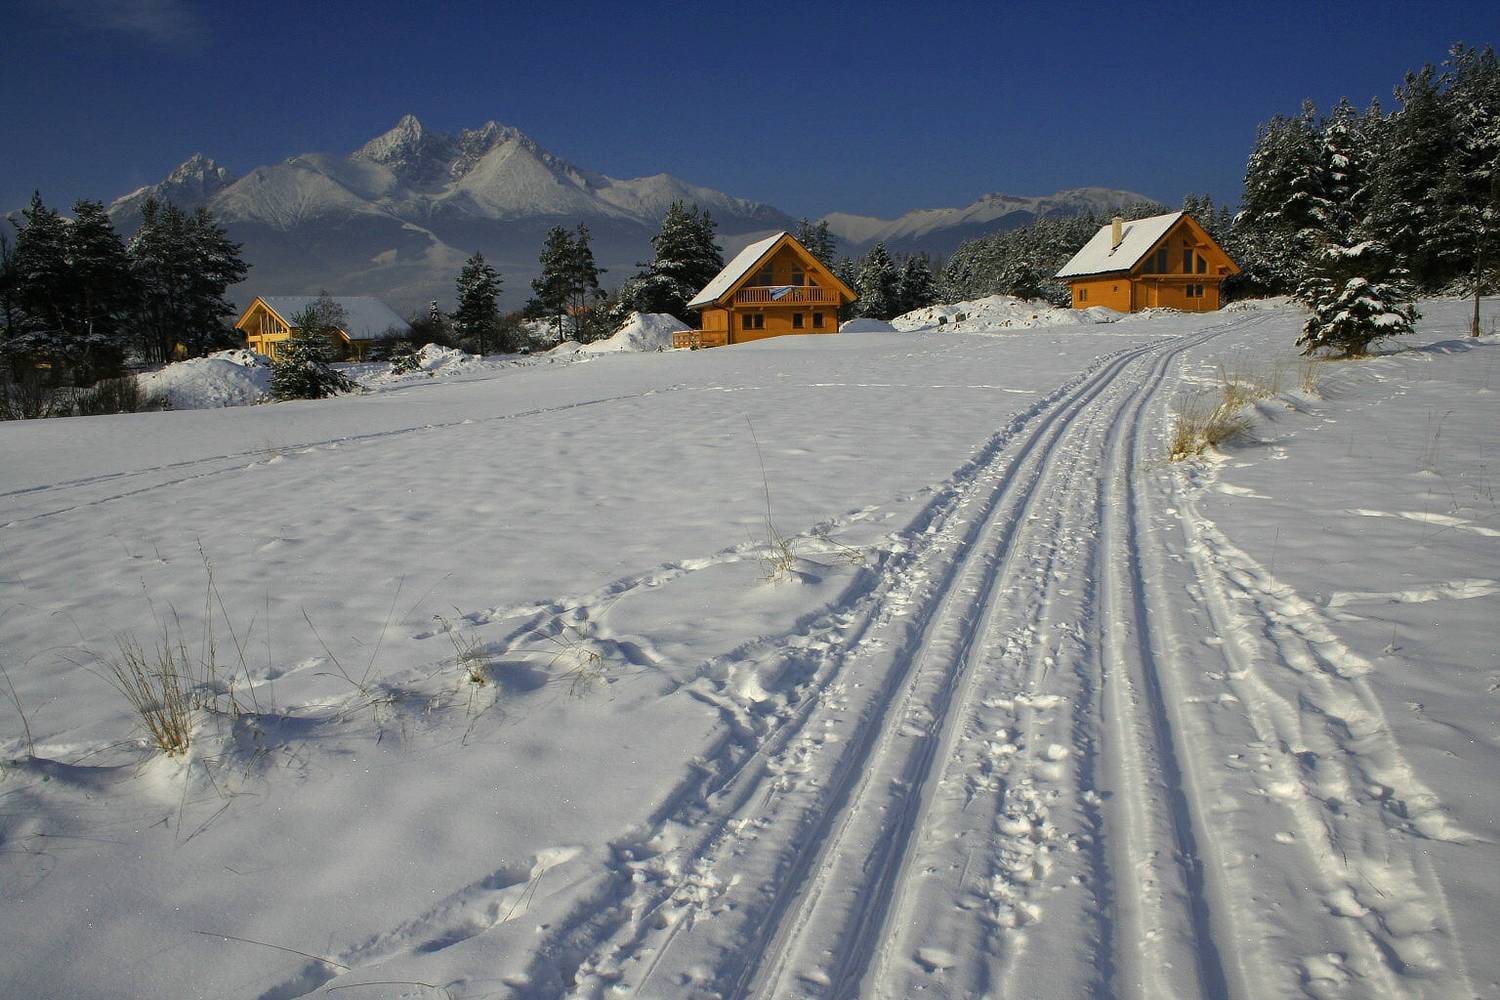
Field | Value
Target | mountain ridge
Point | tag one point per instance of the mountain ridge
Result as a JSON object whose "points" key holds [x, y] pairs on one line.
{"points": [[397, 216]]}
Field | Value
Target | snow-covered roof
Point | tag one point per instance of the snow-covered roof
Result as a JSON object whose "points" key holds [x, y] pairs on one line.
{"points": [[1098, 257], [369, 318], [734, 271]]}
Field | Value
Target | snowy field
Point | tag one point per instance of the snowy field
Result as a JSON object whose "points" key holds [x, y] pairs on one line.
{"points": [[993, 702]]}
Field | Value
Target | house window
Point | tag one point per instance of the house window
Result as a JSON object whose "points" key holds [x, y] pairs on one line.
{"points": [[1159, 262], [753, 321], [798, 277], [817, 321], [764, 276], [1083, 295], [1202, 265], [796, 321], [1195, 291]]}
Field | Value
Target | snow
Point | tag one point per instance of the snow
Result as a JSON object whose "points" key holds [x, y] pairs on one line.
{"points": [[1028, 710], [1100, 256], [736, 269], [641, 332], [225, 378], [1001, 312]]}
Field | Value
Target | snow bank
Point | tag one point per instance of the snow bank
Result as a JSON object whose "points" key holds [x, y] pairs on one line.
{"points": [[641, 332], [867, 326], [1001, 312], [447, 360], [225, 378]]}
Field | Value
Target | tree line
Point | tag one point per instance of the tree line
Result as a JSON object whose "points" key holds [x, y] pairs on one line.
{"points": [[77, 300]]}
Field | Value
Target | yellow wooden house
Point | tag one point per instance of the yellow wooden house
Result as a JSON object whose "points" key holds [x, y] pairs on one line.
{"points": [[772, 288], [1166, 260], [267, 323]]}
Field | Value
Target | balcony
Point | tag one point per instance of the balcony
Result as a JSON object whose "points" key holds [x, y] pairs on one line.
{"points": [[785, 295]]}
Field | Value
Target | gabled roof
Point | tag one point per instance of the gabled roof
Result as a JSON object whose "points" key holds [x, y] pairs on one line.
{"points": [[1098, 257], [748, 259], [368, 317], [744, 262]]}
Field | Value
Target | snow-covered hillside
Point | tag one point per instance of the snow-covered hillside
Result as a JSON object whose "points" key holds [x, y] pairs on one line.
{"points": [[892, 664]]}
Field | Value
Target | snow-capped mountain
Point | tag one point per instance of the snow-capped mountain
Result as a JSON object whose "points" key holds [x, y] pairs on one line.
{"points": [[940, 230], [397, 217]]}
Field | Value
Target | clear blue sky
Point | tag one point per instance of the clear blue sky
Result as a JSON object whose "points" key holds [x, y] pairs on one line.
{"points": [[871, 108]]}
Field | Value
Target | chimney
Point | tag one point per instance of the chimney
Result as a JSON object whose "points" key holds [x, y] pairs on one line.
{"points": [[1116, 232]]}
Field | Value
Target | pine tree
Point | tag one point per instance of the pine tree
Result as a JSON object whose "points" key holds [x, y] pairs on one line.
{"points": [[10, 313], [300, 369], [552, 288], [1410, 174], [72, 282], [847, 271], [915, 288], [687, 257], [477, 319], [183, 265], [1468, 233], [1356, 297], [878, 284], [1281, 192], [584, 293]]}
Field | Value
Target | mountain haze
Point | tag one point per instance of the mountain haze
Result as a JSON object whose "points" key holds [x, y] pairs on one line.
{"points": [[397, 217]]}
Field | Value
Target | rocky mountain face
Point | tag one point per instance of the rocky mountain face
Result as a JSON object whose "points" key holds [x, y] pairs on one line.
{"points": [[397, 217]]}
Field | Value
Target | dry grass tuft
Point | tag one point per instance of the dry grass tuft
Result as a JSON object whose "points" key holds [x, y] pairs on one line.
{"points": [[161, 686], [1203, 422]]}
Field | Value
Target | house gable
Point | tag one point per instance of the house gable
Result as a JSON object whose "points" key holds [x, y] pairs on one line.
{"points": [[748, 263]]}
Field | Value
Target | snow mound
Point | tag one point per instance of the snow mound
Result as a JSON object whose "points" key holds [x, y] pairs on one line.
{"points": [[641, 332], [1001, 312], [434, 359], [1267, 304], [867, 326], [226, 378]]}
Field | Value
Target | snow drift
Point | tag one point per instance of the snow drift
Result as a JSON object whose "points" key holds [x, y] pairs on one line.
{"points": [[226, 378], [1001, 312]]}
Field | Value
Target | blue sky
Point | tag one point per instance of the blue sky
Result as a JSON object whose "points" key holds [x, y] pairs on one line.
{"points": [[872, 108]]}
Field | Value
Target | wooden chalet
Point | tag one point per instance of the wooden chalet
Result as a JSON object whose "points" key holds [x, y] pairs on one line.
{"points": [[267, 322], [772, 288], [1166, 260]]}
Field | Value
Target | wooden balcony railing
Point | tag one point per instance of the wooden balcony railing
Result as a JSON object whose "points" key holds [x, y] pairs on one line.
{"points": [[780, 295]]}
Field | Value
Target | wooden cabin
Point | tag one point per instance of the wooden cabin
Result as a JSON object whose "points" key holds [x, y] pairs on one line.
{"points": [[772, 288], [267, 323], [1166, 260]]}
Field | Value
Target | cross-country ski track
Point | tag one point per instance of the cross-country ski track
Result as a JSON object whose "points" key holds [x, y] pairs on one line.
{"points": [[1018, 713]]}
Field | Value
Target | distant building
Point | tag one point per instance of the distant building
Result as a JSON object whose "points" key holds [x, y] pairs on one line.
{"points": [[267, 321], [772, 288], [1166, 260]]}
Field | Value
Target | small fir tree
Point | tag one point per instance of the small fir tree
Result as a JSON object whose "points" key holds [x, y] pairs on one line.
{"points": [[878, 284], [1355, 298], [301, 369], [916, 288]]}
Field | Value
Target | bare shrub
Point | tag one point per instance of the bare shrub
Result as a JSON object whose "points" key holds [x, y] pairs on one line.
{"points": [[1203, 422]]}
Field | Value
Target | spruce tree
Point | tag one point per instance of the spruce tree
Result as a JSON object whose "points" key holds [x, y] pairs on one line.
{"points": [[878, 284], [687, 257], [584, 293], [915, 288], [183, 265], [300, 369], [477, 319], [1409, 177], [1355, 297]]}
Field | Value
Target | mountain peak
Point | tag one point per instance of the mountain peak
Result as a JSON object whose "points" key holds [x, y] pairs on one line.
{"points": [[201, 171]]}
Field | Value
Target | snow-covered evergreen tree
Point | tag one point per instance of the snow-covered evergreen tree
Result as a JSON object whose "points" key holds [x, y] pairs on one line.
{"points": [[584, 294], [1356, 298], [915, 288], [552, 289], [878, 284], [477, 318], [1467, 235], [687, 256], [1406, 204], [301, 369]]}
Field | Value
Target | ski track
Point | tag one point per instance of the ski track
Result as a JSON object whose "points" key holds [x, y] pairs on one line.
{"points": [[1011, 760]]}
